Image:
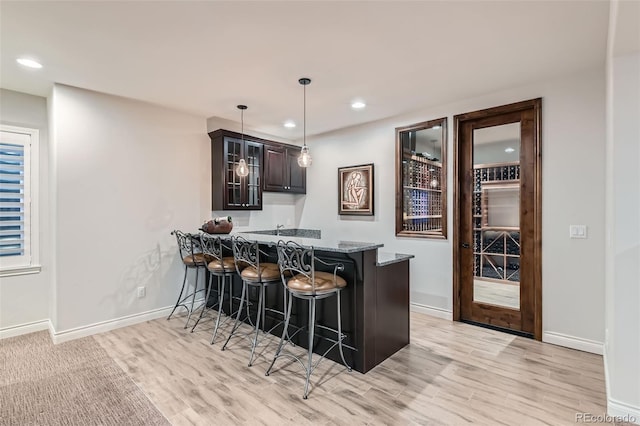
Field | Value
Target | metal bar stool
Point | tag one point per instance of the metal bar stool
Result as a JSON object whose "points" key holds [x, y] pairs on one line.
{"points": [[304, 282], [221, 267], [192, 257], [255, 274]]}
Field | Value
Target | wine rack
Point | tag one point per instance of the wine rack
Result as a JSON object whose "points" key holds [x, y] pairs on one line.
{"points": [[422, 194], [496, 249]]}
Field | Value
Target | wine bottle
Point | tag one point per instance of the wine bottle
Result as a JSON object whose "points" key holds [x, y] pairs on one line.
{"points": [[217, 220]]}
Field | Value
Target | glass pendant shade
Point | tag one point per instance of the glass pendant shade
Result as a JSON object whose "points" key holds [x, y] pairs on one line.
{"points": [[241, 169], [305, 160]]}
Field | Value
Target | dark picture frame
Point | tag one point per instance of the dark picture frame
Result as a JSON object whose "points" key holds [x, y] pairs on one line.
{"points": [[355, 190]]}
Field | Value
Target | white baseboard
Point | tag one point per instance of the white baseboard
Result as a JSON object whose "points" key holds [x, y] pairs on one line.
{"points": [[21, 329], [430, 310], [101, 327], [623, 412], [573, 342], [85, 330]]}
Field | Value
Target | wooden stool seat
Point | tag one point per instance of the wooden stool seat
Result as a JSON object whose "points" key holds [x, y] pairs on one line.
{"points": [[226, 264], [196, 259], [324, 281], [267, 272]]}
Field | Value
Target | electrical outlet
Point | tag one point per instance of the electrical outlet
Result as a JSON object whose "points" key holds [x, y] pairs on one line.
{"points": [[141, 292]]}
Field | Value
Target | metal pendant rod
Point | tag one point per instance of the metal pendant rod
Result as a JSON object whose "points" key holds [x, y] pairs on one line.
{"points": [[304, 81]]}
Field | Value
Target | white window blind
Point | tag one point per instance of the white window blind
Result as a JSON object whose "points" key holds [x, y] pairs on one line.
{"points": [[16, 221]]}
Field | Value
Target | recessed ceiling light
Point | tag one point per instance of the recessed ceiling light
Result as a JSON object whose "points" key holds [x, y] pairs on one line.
{"points": [[509, 150], [358, 105], [437, 126], [29, 63], [289, 124]]}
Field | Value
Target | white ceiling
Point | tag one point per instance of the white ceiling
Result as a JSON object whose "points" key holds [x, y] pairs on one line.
{"points": [[207, 57]]}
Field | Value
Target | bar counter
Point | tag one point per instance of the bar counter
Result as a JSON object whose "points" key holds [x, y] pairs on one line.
{"points": [[375, 303]]}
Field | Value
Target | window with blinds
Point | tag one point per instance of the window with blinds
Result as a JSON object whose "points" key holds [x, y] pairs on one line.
{"points": [[16, 221]]}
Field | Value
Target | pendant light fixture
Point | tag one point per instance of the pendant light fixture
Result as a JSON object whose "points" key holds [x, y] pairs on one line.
{"points": [[304, 160], [241, 169]]}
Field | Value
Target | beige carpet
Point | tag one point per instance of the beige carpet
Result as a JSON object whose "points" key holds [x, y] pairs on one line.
{"points": [[72, 383]]}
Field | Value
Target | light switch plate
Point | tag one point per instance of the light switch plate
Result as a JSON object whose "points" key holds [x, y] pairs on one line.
{"points": [[577, 231]]}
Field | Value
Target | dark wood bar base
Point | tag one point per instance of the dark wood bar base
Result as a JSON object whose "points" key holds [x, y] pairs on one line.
{"points": [[392, 309], [374, 309]]}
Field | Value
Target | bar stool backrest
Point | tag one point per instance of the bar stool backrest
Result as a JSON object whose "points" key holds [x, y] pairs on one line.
{"points": [[294, 259], [246, 253], [213, 249], [189, 246]]}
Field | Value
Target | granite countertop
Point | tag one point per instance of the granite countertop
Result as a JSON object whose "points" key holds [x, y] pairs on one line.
{"points": [[324, 244], [313, 238], [390, 258]]}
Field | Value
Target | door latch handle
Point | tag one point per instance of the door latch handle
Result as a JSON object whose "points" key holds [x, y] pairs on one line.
{"points": [[465, 245]]}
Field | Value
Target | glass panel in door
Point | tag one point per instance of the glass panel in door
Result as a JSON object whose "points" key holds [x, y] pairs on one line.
{"points": [[234, 193], [253, 179], [496, 215]]}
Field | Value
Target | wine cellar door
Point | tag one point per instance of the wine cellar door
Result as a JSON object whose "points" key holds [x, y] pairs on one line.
{"points": [[497, 218]]}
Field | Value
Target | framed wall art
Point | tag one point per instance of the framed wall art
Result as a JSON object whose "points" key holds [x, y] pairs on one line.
{"points": [[355, 190]]}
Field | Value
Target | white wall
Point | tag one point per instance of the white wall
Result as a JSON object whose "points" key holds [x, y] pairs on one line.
{"points": [[573, 134], [126, 174], [623, 356], [24, 299], [277, 209], [623, 221], [573, 131], [622, 345]]}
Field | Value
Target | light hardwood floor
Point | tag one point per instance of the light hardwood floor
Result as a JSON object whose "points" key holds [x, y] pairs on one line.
{"points": [[451, 373]]}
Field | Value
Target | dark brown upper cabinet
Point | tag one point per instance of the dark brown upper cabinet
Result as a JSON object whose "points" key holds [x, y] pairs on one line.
{"points": [[281, 171], [421, 180], [228, 190]]}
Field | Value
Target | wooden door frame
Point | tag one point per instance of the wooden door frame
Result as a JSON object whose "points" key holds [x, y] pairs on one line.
{"points": [[536, 106]]}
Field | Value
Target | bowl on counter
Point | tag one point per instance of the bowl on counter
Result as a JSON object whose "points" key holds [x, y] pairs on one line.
{"points": [[222, 227]]}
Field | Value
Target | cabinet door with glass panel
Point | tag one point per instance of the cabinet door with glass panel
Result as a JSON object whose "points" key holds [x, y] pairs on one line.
{"points": [[230, 191], [421, 180]]}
